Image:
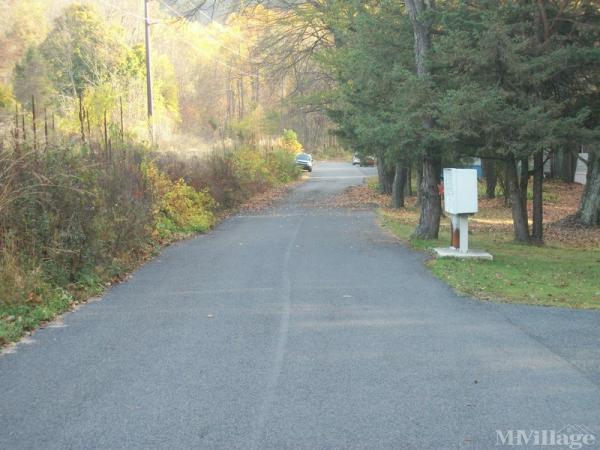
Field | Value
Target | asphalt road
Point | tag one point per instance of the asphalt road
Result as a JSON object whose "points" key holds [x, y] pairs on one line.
{"points": [[300, 327]]}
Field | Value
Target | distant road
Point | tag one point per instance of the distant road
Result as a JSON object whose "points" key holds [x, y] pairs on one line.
{"points": [[303, 326]]}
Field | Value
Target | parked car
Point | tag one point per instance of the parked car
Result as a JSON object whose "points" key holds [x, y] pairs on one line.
{"points": [[358, 160], [305, 161]]}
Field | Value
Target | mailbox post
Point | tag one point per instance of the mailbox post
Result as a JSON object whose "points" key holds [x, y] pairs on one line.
{"points": [[460, 202]]}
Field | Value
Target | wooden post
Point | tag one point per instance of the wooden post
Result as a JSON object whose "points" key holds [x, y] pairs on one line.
{"points": [[81, 118], [105, 135], [257, 85], [16, 133], [89, 128], [46, 127], [241, 96], [23, 127], [34, 122], [122, 127]]}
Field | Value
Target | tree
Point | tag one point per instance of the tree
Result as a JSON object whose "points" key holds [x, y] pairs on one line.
{"points": [[511, 82], [368, 63], [430, 200], [509, 94], [491, 177], [22, 24], [32, 78], [589, 210], [82, 50]]}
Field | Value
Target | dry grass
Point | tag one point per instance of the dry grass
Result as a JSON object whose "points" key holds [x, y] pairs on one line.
{"points": [[563, 201], [359, 197]]}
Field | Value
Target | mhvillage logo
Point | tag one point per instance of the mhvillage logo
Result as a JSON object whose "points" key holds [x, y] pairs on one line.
{"points": [[571, 436]]}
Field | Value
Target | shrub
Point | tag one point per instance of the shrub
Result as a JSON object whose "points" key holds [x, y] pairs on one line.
{"points": [[283, 166], [290, 142], [70, 220], [177, 207], [6, 96], [252, 171], [74, 217]]}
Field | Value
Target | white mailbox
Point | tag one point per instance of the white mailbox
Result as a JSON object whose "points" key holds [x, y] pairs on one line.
{"points": [[460, 191]]}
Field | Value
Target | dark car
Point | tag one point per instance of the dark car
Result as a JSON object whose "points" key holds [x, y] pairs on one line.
{"points": [[305, 161]]}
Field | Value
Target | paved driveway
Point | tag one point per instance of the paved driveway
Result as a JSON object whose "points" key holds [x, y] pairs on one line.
{"points": [[300, 327]]}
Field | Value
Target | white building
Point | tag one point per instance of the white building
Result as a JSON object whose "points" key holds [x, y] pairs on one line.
{"points": [[581, 170]]}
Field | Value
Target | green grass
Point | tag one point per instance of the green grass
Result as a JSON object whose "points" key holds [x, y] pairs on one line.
{"points": [[332, 154], [373, 183], [16, 320], [550, 276]]}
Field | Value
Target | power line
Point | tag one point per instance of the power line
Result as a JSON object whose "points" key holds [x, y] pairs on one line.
{"points": [[148, 71], [186, 20], [181, 16], [117, 8], [217, 60]]}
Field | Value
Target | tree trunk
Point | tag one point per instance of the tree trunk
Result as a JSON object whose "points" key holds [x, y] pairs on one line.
{"points": [[416, 8], [538, 198], [564, 164], [505, 187], [431, 203], [589, 210], [408, 185], [430, 200], [491, 177], [524, 179], [381, 174], [519, 208], [385, 175], [419, 169], [399, 185]]}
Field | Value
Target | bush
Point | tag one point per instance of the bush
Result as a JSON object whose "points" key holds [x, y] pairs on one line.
{"points": [[73, 217], [70, 212], [6, 96], [252, 171], [177, 207], [231, 176], [283, 165], [290, 142]]}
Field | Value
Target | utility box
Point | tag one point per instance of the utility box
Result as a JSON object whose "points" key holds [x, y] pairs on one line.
{"points": [[460, 195], [460, 191]]}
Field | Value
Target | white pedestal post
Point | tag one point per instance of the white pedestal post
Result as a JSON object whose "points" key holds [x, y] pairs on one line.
{"points": [[463, 226]]}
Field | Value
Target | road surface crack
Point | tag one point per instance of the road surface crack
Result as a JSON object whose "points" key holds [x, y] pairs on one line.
{"points": [[280, 345]]}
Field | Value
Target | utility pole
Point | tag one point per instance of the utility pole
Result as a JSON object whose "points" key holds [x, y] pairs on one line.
{"points": [[282, 98], [149, 72]]}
